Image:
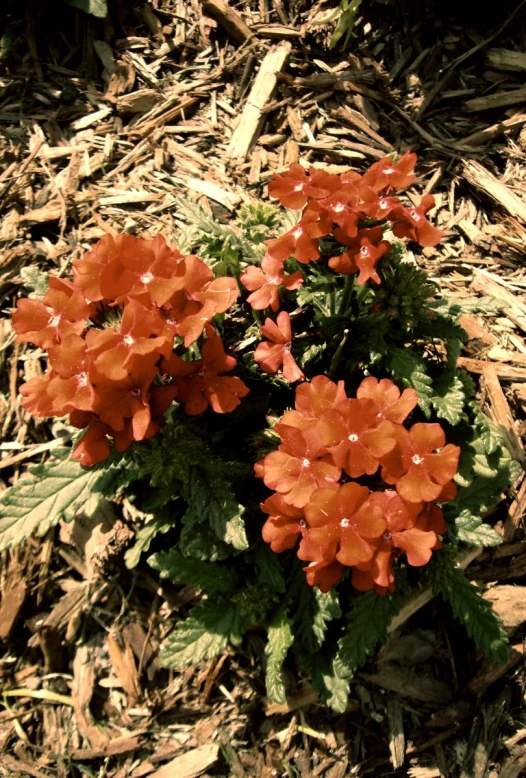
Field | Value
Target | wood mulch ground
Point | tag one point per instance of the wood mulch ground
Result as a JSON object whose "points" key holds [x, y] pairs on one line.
{"points": [[103, 124]]}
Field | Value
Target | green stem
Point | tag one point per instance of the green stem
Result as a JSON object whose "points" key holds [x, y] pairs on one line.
{"points": [[362, 293], [335, 361]]}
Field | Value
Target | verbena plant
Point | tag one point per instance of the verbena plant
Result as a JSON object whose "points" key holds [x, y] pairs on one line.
{"points": [[285, 412]]}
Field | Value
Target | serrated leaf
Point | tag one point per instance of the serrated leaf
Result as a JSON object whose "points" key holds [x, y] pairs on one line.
{"points": [[367, 626], [313, 610], [472, 530], [480, 492], [448, 397], [482, 466], [97, 8], [280, 639], [35, 280], [270, 573], [490, 434], [180, 569], [472, 610], [203, 635], [409, 370], [333, 689], [143, 539], [53, 491], [211, 501]]}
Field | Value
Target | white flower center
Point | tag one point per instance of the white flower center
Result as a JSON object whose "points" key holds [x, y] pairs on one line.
{"points": [[54, 321], [389, 171], [364, 251], [345, 523], [383, 204], [415, 215], [297, 233], [147, 277], [83, 379], [416, 459], [339, 207], [353, 437], [305, 462], [128, 340], [298, 187]]}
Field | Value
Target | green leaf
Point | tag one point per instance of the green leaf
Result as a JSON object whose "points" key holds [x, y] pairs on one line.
{"points": [[472, 610], [448, 397], [35, 280], [333, 689], [409, 370], [489, 433], [368, 623], [482, 480], [53, 491], [313, 610], [472, 530], [156, 525], [445, 327], [211, 501], [345, 26], [97, 8], [201, 542], [279, 641], [203, 635], [269, 571], [180, 569]]}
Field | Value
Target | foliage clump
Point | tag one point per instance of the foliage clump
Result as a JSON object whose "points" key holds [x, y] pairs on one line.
{"points": [[285, 409]]}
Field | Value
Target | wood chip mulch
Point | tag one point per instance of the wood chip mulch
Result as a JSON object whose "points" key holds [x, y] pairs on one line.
{"points": [[103, 124]]}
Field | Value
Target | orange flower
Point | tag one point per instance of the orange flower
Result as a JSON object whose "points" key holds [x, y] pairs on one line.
{"points": [[386, 396], [119, 401], [411, 223], [298, 467], [364, 253], [318, 396], [70, 388], [94, 445], [347, 516], [284, 524], [302, 241], [36, 399], [313, 401], [63, 311], [355, 439], [140, 332], [127, 267], [271, 355], [264, 282], [296, 186], [386, 174], [407, 532], [420, 474], [198, 298], [200, 383], [324, 573]]}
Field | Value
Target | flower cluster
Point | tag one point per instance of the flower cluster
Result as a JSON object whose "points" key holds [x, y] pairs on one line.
{"points": [[354, 209], [110, 335], [329, 440]]}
